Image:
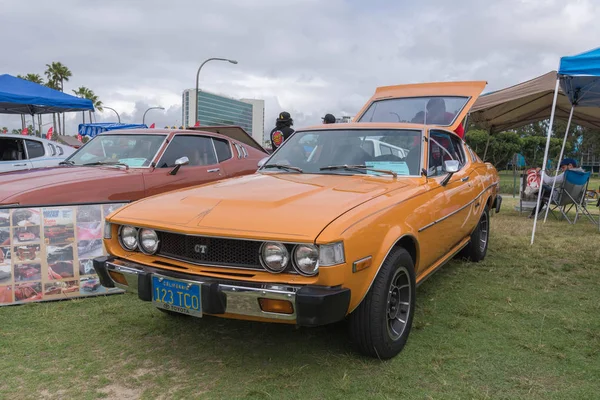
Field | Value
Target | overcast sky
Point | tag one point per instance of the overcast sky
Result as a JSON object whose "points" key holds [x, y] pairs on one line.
{"points": [[307, 57]]}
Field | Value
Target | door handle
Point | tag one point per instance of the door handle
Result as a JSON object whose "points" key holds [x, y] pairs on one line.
{"points": [[466, 178], [19, 165], [214, 170]]}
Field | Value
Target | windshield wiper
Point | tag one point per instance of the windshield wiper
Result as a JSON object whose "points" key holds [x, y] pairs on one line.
{"points": [[358, 167], [66, 163], [106, 163], [284, 166]]}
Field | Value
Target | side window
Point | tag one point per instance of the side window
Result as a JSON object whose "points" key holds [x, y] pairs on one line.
{"points": [[223, 149], [441, 148], [245, 152], [35, 149], [458, 149], [198, 149], [60, 151], [52, 148]]}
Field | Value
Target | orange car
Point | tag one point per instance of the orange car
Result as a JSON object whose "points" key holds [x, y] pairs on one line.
{"points": [[327, 229]]}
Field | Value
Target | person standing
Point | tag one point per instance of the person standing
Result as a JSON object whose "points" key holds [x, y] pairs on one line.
{"points": [[282, 131]]}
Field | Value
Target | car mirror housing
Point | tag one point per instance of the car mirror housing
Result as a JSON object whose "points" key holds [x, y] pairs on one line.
{"points": [[178, 163], [450, 167], [262, 162]]}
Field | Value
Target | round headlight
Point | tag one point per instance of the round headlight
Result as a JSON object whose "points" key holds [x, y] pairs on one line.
{"points": [[148, 241], [129, 239], [275, 257], [306, 259]]}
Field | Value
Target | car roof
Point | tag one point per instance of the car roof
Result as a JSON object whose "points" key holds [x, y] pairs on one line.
{"points": [[375, 125], [17, 136]]}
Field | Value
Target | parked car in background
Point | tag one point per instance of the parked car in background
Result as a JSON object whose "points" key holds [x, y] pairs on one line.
{"points": [[126, 165], [18, 152], [312, 239]]}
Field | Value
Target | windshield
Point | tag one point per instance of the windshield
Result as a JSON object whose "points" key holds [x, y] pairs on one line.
{"points": [[393, 150], [418, 110], [134, 150]]}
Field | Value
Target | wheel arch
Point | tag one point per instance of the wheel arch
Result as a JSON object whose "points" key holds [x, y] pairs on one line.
{"points": [[406, 241]]}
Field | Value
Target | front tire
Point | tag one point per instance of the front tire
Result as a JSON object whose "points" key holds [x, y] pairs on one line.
{"points": [[477, 248], [380, 325]]}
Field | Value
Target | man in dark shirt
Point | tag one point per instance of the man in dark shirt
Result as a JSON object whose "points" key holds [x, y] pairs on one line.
{"points": [[282, 131], [328, 119]]}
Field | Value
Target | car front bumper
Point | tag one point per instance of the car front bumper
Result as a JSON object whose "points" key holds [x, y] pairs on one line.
{"points": [[312, 305]]}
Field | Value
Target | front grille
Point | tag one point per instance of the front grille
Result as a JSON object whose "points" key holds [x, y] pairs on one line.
{"points": [[217, 251]]}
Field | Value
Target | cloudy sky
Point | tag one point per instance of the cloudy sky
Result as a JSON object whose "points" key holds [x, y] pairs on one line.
{"points": [[308, 57]]}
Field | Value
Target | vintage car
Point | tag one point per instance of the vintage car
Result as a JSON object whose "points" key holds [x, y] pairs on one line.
{"points": [[18, 152], [129, 164], [90, 285], [57, 253], [311, 240]]}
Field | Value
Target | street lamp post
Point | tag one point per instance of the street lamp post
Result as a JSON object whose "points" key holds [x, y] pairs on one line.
{"points": [[151, 108], [112, 109], [198, 75]]}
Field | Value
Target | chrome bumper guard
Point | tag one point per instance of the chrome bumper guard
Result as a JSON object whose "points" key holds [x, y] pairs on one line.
{"points": [[312, 305]]}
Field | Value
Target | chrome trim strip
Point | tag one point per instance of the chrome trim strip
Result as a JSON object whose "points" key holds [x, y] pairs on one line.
{"points": [[242, 299], [457, 211]]}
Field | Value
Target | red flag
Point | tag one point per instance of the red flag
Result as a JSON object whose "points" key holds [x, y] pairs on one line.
{"points": [[152, 126], [197, 123], [79, 137], [25, 132], [49, 134]]}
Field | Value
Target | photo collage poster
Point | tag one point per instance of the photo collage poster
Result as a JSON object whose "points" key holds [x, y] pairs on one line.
{"points": [[46, 253]]}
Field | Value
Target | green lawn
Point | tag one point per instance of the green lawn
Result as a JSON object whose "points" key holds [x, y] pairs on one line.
{"points": [[522, 324]]}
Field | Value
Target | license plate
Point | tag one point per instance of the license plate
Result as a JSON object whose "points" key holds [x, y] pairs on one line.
{"points": [[176, 295]]}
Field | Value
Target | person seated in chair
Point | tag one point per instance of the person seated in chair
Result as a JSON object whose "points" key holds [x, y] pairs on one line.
{"points": [[565, 164]]}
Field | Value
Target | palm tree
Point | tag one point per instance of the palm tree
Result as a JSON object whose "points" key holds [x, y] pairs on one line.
{"points": [[83, 93], [54, 85], [59, 73], [96, 102]]}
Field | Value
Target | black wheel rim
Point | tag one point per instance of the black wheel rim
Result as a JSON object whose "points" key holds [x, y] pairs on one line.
{"points": [[398, 304], [483, 230]]}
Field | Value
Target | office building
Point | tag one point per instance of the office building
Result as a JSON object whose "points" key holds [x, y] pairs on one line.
{"points": [[214, 109]]}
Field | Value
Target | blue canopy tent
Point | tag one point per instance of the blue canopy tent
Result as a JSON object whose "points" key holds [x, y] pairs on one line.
{"points": [[18, 96], [94, 129], [579, 79]]}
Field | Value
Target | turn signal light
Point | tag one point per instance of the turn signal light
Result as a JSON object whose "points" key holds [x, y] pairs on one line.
{"points": [[118, 277], [362, 264], [276, 306]]}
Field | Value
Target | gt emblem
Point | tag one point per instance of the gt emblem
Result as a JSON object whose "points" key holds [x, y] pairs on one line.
{"points": [[200, 248]]}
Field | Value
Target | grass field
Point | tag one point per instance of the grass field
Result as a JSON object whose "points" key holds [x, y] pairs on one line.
{"points": [[524, 323]]}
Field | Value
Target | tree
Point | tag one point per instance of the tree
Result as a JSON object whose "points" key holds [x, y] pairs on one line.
{"points": [[477, 140], [58, 73], [54, 85]]}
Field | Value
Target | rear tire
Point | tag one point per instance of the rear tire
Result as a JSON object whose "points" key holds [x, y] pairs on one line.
{"points": [[380, 325], [476, 250]]}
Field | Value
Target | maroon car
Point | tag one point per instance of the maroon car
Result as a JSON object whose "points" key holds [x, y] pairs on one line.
{"points": [[127, 165]]}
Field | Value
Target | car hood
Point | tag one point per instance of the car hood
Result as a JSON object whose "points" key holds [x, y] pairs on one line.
{"points": [[260, 206], [14, 183]]}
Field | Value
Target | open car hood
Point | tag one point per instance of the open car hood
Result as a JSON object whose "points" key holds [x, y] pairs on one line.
{"points": [[469, 89], [233, 131]]}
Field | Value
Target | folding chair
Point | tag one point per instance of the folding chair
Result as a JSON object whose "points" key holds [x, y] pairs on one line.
{"points": [[572, 193]]}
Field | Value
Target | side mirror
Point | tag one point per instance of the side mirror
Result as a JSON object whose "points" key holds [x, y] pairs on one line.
{"points": [[450, 167], [262, 162], [178, 163]]}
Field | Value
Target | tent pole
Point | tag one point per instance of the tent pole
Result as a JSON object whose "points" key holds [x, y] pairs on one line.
{"points": [[515, 160], [562, 150], [537, 204], [487, 143]]}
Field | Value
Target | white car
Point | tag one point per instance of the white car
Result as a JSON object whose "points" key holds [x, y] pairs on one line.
{"points": [[19, 152]]}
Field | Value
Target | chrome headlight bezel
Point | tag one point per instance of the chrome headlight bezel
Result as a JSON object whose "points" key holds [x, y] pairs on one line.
{"points": [[140, 240], [285, 256], [133, 234], [296, 263]]}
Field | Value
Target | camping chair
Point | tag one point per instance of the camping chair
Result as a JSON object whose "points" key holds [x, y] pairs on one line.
{"points": [[526, 201], [572, 193]]}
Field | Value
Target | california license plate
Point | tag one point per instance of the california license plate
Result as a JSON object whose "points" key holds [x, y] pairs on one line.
{"points": [[176, 295]]}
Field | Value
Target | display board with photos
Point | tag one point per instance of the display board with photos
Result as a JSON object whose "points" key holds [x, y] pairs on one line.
{"points": [[46, 253]]}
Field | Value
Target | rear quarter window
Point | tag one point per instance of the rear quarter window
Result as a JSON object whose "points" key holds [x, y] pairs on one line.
{"points": [[223, 149]]}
